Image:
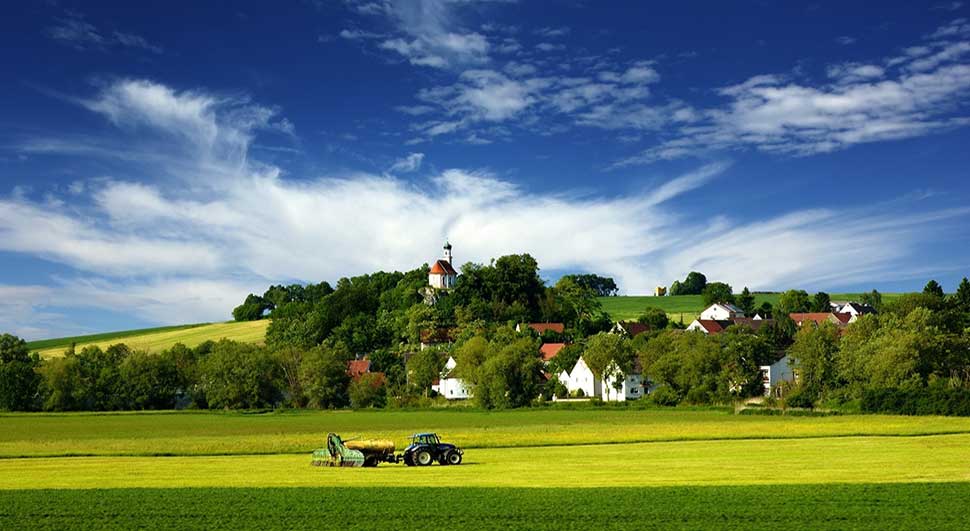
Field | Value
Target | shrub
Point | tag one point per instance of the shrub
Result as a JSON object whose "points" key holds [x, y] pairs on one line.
{"points": [[664, 396], [939, 398]]}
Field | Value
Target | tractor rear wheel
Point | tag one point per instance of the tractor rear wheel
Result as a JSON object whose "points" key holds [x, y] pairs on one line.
{"points": [[422, 458], [453, 458]]}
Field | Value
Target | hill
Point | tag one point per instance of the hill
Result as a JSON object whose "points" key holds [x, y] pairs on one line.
{"points": [[157, 339], [688, 306]]}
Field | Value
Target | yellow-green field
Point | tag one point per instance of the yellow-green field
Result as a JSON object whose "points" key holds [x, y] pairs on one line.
{"points": [[693, 469], [247, 332]]}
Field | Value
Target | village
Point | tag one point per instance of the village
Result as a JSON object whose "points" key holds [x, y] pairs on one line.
{"points": [[614, 384]]}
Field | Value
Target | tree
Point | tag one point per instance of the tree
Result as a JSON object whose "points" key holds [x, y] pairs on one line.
{"points": [[873, 298], [933, 288], [814, 354], [423, 369], [655, 318], [577, 301], [744, 352], [766, 310], [252, 309], [715, 292], [323, 376], [794, 301], [240, 376], [962, 295], [604, 349], [821, 302], [19, 380], [745, 301], [675, 288], [151, 381], [511, 375], [368, 391], [600, 286]]}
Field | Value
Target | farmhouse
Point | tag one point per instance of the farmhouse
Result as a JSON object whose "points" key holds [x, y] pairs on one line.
{"points": [[442, 275], [817, 318], [721, 312], [614, 387], [549, 350]]}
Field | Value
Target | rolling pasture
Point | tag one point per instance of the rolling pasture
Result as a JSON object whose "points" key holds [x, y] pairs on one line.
{"points": [[158, 339], [541, 468], [688, 306]]}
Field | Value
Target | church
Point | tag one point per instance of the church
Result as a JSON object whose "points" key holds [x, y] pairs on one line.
{"points": [[443, 274]]}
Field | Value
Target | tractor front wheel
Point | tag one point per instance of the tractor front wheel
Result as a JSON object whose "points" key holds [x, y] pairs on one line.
{"points": [[422, 458]]}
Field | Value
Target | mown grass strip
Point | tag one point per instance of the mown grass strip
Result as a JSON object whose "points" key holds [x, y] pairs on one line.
{"points": [[939, 506], [219, 433], [833, 460], [42, 344]]}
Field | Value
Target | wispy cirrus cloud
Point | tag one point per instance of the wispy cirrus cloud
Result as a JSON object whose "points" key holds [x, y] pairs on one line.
{"points": [[917, 93], [74, 30]]}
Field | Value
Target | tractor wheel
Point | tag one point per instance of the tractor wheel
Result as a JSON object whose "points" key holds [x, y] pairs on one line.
{"points": [[408, 459], [370, 461], [422, 458], [453, 458]]}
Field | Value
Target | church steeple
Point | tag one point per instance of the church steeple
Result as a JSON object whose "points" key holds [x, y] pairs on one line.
{"points": [[447, 251]]}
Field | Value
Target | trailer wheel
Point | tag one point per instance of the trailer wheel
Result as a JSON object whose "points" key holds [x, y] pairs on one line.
{"points": [[422, 458], [453, 458], [370, 461]]}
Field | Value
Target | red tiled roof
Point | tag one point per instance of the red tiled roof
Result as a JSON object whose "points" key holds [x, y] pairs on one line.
{"points": [[714, 327], [542, 327], [442, 267], [357, 367], [634, 328], [549, 350]]}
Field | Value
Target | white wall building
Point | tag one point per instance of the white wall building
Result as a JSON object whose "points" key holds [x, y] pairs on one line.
{"points": [[776, 373], [582, 378], [449, 387], [630, 385], [721, 312]]}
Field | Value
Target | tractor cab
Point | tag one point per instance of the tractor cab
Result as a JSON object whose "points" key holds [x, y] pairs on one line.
{"points": [[426, 448]]}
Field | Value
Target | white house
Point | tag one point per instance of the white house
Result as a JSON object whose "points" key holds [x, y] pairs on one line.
{"points": [[581, 379], [442, 275], [776, 373], [450, 387], [721, 312], [619, 387]]}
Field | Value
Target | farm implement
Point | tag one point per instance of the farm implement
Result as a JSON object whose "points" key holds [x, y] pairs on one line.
{"points": [[425, 449]]}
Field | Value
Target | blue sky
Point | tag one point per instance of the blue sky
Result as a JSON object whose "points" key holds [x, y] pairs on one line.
{"points": [[158, 163]]}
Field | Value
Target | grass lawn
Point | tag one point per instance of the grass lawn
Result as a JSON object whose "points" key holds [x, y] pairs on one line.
{"points": [[688, 306], [159, 339], [217, 433], [527, 469], [554, 507]]}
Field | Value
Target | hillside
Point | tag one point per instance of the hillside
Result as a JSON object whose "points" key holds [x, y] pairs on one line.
{"points": [[688, 306], [157, 339]]}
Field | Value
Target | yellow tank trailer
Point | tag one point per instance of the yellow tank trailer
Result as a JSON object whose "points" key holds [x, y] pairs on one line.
{"points": [[354, 453]]}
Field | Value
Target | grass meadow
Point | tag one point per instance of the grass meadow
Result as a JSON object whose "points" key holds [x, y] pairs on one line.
{"points": [[550, 468], [687, 307], [158, 339]]}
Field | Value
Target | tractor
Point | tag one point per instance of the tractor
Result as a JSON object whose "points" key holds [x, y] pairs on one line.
{"points": [[425, 448]]}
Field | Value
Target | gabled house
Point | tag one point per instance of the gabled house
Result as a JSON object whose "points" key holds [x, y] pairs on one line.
{"points": [[614, 387], [629, 329], [855, 309], [449, 386], [709, 326], [436, 336], [721, 312]]}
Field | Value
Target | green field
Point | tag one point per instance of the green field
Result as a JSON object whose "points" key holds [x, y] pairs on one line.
{"points": [[688, 306], [524, 469], [157, 339]]}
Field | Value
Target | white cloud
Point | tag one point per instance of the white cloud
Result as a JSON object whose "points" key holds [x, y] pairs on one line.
{"points": [[912, 95], [549, 33], [408, 164], [430, 34], [168, 252]]}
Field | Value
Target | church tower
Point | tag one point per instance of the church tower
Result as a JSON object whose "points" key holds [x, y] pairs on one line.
{"points": [[447, 251]]}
